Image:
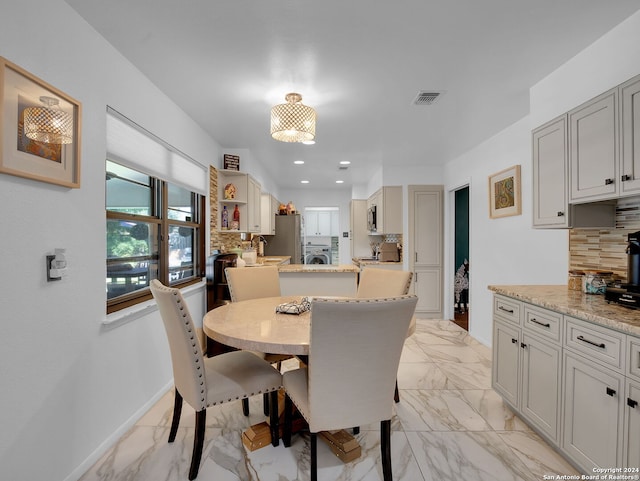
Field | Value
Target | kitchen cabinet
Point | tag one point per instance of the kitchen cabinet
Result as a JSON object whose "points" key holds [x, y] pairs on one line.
{"points": [[388, 202], [247, 197], [550, 176], [268, 207], [526, 367], [593, 148], [593, 413], [358, 233], [426, 248], [254, 203], [318, 223], [577, 383], [630, 140]]}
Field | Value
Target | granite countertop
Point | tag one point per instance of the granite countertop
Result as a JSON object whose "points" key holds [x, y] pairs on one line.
{"points": [[590, 307], [318, 268], [369, 261], [272, 260]]}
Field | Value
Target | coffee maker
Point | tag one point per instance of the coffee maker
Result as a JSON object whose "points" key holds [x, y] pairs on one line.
{"points": [[629, 294]]}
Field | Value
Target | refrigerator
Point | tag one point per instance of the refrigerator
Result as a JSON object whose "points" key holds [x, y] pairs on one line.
{"points": [[288, 238]]}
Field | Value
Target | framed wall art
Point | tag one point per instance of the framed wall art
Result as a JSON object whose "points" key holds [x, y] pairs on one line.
{"points": [[505, 193], [39, 129]]}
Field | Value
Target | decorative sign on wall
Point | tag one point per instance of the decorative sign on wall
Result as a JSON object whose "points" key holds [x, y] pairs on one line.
{"points": [[231, 162], [504, 193], [39, 129]]}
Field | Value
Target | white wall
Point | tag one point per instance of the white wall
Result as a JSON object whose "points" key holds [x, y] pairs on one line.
{"points": [[506, 250], [69, 384]]}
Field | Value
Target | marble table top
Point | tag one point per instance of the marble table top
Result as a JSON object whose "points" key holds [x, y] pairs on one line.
{"points": [[589, 307], [256, 326]]}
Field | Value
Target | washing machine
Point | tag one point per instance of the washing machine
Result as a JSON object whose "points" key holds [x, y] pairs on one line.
{"points": [[317, 254]]}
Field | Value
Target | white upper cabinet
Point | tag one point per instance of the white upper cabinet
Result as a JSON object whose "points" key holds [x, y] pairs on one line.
{"points": [[593, 148], [630, 142], [550, 206], [268, 208]]}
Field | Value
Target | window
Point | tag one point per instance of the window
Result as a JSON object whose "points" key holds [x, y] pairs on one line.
{"points": [[154, 216]]}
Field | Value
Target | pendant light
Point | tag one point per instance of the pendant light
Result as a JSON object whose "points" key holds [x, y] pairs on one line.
{"points": [[48, 124], [293, 121]]}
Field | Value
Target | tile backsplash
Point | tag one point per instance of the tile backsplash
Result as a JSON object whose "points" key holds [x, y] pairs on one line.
{"points": [[605, 249]]}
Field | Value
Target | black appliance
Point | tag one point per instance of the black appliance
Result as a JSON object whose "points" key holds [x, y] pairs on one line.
{"points": [[217, 288], [628, 294], [218, 292]]}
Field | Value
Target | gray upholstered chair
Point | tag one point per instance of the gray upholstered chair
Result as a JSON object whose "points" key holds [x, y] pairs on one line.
{"points": [[246, 283], [208, 381], [386, 283], [354, 354]]}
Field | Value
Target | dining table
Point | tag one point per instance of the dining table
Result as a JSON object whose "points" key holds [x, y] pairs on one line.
{"points": [[255, 325]]}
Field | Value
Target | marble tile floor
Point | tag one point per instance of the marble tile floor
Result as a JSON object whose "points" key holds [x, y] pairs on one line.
{"points": [[449, 425]]}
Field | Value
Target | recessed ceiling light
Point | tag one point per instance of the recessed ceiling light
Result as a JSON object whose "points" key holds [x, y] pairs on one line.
{"points": [[339, 181], [345, 162], [304, 181], [298, 162], [308, 142]]}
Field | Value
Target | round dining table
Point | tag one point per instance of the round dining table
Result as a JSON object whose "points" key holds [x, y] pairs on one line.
{"points": [[255, 325]]}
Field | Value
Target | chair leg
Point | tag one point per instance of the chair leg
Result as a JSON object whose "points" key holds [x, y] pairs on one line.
{"points": [[198, 442], [396, 394], [274, 419], [177, 410], [265, 403], [385, 448], [245, 406], [314, 457], [288, 421]]}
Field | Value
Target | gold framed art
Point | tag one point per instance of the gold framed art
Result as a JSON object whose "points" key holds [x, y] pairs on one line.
{"points": [[505, 198], [47, 146]]}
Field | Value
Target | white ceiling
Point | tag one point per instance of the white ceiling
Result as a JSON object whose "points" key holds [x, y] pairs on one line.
{"points": [[359, 63]]}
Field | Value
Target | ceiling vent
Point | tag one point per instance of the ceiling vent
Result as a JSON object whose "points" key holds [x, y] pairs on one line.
{"points": [[427, 97], [342, 167]]}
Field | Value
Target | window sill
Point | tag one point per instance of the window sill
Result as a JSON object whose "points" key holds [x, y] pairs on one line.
{"points": [[144, 308]]}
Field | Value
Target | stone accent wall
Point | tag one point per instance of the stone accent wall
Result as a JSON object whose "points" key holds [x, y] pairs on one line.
{"points": [[605, 249], [219, 240]]}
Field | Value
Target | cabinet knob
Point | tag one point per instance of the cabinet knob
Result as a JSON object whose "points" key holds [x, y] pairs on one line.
{"points": [[631, 403], [625, 177], [611, 392], [514, 341], [560, 213], [608, 181], [523, 345]]}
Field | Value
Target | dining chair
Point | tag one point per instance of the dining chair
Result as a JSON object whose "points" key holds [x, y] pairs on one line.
{"points": [[246, 283], [209, 381], [354, 352], [375, 282]]}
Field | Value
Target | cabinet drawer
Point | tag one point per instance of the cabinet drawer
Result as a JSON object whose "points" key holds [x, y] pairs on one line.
{"points": [[596, 342], [543, 322], [507, 309], [633, 361]]}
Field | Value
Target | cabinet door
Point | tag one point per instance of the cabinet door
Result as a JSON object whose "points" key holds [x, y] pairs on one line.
{"points": [[630, 129], [505, 369], [632, 425], [311, 223], [427, 285], [550, 169], [335, 223], [428, 228], [253, 206], [593, 153], [540, 398], [324, 223], [593, 408]]}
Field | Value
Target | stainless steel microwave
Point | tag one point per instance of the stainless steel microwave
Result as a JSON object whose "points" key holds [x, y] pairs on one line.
{"points": [[372, 218]]}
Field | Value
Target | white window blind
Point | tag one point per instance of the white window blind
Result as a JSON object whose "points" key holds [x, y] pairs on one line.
{"points": [[131, 145]]}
